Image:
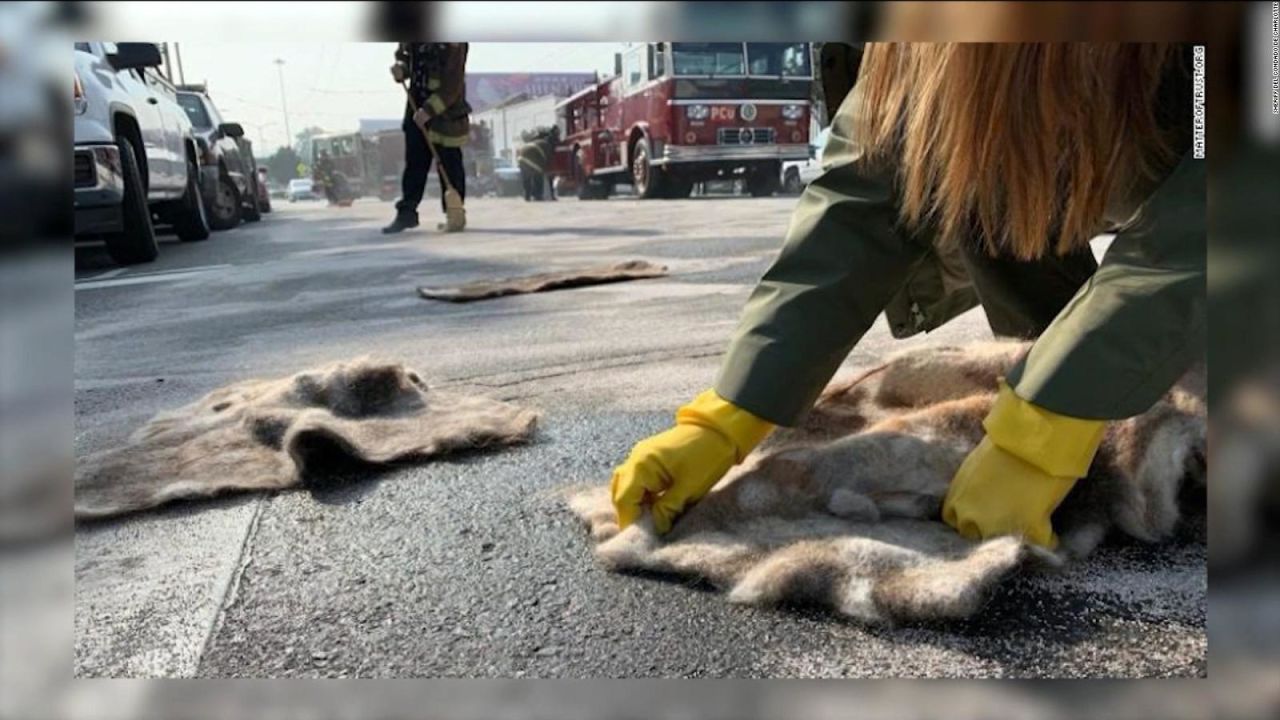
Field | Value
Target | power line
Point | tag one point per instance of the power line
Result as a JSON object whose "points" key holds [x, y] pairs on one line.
{"points": [[321, 91]]}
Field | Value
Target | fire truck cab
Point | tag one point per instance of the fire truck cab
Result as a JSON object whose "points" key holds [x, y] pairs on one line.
{"points": [[679, 113]]}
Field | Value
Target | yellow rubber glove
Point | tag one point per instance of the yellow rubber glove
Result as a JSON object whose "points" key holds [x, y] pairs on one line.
{"points": [[1020, 472], [678, 467]]}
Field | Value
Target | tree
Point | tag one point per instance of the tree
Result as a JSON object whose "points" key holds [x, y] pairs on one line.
{"points": [[282, 166]]}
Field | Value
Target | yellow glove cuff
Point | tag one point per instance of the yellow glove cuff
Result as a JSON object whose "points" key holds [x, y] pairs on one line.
{"points": [[744, 430], [1057, 444]]}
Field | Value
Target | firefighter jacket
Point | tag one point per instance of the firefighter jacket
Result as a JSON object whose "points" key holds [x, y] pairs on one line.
{"points": [[535, 155], [437, 82]]}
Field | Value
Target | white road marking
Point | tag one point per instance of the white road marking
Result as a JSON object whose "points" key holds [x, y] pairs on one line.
{"points": [[106, 275], [103, 281]]}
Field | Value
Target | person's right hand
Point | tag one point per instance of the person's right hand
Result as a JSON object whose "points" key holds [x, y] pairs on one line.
{"points": [[397, 72], [677, 467]]}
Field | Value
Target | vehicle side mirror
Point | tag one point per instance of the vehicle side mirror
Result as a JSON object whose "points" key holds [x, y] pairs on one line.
{"points": [[130, 56], [231, 130]]}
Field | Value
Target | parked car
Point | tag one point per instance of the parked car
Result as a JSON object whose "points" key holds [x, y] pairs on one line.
{"points": [[229, 172], [134, 152], [796, 175], [507, 178], [264, 190], [301, 189]]}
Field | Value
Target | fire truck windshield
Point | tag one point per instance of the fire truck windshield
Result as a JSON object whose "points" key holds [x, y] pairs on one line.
{"points": [[339, 146], [707, 59], [778, 60]]}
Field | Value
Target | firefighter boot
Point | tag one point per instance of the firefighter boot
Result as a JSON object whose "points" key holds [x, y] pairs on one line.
{"points": [[455, 214], [403, 221]]}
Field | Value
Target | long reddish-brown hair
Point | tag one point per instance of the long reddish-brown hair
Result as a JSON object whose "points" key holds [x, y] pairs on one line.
{"points": [[1022, 144]]}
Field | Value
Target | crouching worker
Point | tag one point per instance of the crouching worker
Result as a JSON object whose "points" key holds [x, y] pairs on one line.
{"points": [[534, 157], [437, 85], [946, 189], [331, 182], [322, 176]]}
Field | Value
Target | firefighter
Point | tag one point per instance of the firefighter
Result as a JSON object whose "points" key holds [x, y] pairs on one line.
{"points": [[322, 175], [437, 82], [534, 157], [532, 162], [552, 140], [945, 190]]}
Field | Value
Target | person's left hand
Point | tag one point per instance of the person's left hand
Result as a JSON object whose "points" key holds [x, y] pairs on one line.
{"points": [[420, 117], [1020, 472], [997, 493]]}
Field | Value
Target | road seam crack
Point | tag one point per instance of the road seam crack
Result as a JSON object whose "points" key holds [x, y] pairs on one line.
{"points": [[232, 591]]}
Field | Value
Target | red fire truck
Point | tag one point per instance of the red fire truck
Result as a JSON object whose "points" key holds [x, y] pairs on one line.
{"points": [[683, 112]]}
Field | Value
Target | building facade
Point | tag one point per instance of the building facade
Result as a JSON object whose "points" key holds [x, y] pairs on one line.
{"points": [[508, 120]]}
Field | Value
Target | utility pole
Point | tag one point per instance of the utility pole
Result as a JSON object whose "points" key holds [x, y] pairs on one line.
{"points": [[506, 144], [177, 52], [262, 137], [283, 104], [168, 63]]}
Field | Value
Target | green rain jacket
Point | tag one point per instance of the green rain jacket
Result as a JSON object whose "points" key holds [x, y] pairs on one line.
{"points": [[1120, 343]]}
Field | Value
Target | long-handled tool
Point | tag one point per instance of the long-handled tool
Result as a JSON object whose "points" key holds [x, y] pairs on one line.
{"points": [[455, 215]]}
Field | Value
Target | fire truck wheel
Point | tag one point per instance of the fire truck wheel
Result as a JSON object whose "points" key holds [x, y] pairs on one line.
{"points": [[791, 184], [647, 179]]}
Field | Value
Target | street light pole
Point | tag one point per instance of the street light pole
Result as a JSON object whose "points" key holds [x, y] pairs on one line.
{"points": [[283, 104]]}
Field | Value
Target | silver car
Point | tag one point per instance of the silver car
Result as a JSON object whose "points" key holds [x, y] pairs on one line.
{"points": [[301, 189]]}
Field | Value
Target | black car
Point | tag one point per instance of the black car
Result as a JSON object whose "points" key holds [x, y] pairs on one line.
{"points": [[228, 172]]}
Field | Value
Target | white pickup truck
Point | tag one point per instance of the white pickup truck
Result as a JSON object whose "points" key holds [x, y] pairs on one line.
{"points": [[135, 158], [798, 174]]}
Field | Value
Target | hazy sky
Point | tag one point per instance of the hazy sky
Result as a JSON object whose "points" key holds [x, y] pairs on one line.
{"points": [[333, 85]]}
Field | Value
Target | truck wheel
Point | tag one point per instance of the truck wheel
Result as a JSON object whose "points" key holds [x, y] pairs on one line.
{"points": [[225, 213], [580, 179], [187, 214], [250, 212], [791, 184], [136, 241], [646, 178], [764, 182]]}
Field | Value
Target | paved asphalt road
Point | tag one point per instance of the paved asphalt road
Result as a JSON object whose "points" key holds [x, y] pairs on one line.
{"points": [[471, 567]]}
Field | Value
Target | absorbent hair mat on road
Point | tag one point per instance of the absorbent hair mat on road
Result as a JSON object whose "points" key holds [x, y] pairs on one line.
{"points": [[542, 282], [843, 511], [273, 434]]}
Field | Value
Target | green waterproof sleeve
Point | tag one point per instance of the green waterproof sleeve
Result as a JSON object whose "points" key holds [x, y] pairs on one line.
{"points": [[842, 261], [1139, 323]]}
